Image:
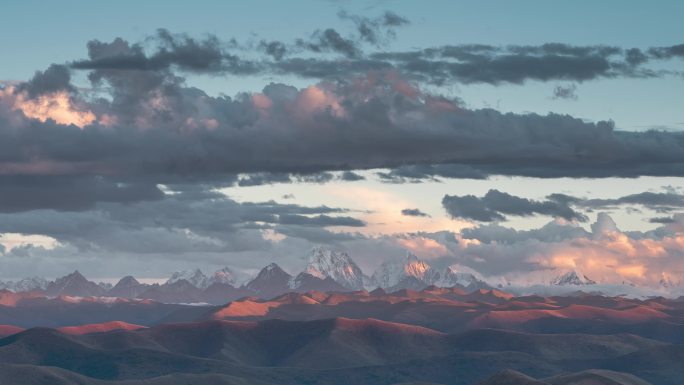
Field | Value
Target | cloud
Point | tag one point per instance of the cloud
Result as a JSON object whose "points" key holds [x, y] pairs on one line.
{"points": [[141, 125], [329, 40], [55, 78], [669, 52], [496, 204], [567, 93], [153, 128], [183, 221], [207, 55], [662, 220], [68, 193], [607, 255], [351, 176], [376, 31], [413, 213], [320, 221], [662, 201], [310, 57]]}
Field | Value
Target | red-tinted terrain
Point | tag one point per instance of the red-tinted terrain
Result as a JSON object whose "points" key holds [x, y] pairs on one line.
{"points": [[433, 336]]}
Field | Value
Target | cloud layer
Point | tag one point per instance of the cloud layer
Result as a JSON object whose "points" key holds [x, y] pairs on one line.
{"points": [[127, 166]]}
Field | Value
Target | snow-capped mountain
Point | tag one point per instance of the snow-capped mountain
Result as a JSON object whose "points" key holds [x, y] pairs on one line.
{"points": [[338, 266], [572, 278], [304, 282], [225, 275], [195, 277], [395, 273], [462, 276], [28, 284]]}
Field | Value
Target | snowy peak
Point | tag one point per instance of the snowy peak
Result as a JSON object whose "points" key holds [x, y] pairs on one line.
{"points": [[271, 271], [462, 276], [225, 276], [338, 266], [572, 278], [29, 284], [194, 277], [393, 271]]}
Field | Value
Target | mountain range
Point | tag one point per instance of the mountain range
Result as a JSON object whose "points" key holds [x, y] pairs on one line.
{"points": [[326, 271]]}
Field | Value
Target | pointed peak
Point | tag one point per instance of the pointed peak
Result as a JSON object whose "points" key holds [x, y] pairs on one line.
{"points": [[75, 275], [195, 277], [271, 266], [270, 270], [572, 277], [128, 280], [224, 276]]}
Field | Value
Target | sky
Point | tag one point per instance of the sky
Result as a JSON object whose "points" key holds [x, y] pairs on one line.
{"points": [[514, 138]]}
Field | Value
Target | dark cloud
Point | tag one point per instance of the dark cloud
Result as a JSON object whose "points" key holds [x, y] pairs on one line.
{"points": [[662, 220], [319, 177], [275, 49], [567, 93], [496, 204], [464, 63], [351, 176], [148, 127], [55, 78], [70, 193], [207, 55], [320, 221], [413, 213], [376, 31], [551, 232], [667, 52], [329, 40], [516, 64], [660, 201], [316, 235], [176, 224], [158, 130], [263, 178], [418, 173]]}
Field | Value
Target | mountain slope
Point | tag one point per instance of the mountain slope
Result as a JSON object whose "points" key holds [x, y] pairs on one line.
{"points": [[194, 277], [74, 284], [405, 273], [127, 287], [338, 266], [572, 278], [270, 282]]}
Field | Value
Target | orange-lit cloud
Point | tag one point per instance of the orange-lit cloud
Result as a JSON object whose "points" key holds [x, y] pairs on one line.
{"points": [[56, 106], [13, 240], [314, 99], [425, 247]]}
